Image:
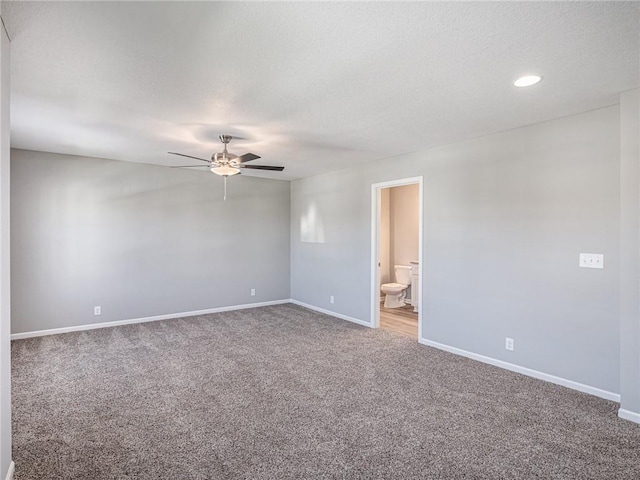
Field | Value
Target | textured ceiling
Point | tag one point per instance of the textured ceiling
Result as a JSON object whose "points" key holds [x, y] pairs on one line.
{"points": [[311, 86]]}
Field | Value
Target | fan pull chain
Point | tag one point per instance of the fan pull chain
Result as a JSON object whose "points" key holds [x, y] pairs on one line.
{"points": [[225, 188]]}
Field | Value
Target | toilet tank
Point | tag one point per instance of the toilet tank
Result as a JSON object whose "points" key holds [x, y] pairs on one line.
{"points": [[403, 274]]}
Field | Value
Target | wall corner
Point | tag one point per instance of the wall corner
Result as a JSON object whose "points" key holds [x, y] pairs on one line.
{"points": [[630, 255]]}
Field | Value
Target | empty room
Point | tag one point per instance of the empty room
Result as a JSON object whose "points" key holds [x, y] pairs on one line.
{"points": [[319, 240]]}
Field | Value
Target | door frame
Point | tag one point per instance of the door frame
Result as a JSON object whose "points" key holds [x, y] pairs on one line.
{"points": [[376, 195]]}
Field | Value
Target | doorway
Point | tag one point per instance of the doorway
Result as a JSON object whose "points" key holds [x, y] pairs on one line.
{"points": [[385, 256]]}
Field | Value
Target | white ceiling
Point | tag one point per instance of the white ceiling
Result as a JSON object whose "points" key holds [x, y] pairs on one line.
{"points": [[311, 86]]}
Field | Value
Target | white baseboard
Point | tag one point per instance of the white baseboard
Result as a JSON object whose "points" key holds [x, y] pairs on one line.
{"points": [[12, 467], [629, 415], [622, 413], [329, 312], [92, 326], [525, 371]]}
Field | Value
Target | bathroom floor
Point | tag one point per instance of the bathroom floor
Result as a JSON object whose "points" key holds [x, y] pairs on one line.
{"points": [[401, 320]]}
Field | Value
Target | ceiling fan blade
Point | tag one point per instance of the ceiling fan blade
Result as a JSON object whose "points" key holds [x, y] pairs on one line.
{"points": [[262, 167], [247, 157], [187, 166], [189, 156]]}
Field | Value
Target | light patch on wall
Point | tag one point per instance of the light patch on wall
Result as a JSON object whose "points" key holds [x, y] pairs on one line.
{"points": [[311, 226]]}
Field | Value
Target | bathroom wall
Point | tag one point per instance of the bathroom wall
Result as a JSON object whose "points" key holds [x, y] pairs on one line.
{"points": [[139, 240], [404, 211], [505, 218]]}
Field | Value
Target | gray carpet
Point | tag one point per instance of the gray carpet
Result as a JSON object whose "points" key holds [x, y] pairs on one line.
{"points": [[282, 393]]}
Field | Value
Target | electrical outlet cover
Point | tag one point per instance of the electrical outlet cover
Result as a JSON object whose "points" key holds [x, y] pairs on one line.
{"points": [[508, 344]]}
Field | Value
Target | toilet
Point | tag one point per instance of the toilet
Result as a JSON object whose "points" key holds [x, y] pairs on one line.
{"points": [[396, 292]]}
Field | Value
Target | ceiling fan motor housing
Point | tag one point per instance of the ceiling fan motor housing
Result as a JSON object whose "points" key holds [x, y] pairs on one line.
{"points": [[223, 157]]}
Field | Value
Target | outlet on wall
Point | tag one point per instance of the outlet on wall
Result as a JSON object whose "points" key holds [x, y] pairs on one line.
{"points": [[508, 344], [331, 299], [253, 292], [97, 310]]}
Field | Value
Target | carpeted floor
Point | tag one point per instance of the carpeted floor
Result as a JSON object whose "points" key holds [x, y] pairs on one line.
{"points": [[285, 393]]}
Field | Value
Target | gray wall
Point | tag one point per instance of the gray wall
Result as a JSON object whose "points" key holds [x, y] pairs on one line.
{"points": [[139, 240], [630, 251], [5, 281], [505, 217]]}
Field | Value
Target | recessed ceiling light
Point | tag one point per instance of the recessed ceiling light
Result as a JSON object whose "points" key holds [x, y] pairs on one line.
{"points": [[527, 80]]}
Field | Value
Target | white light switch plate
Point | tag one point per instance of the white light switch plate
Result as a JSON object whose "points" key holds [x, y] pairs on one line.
{"points": [[591, 260]]}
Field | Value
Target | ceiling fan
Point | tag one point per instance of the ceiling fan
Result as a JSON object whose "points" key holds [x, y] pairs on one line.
{"points": [[227, 164]]}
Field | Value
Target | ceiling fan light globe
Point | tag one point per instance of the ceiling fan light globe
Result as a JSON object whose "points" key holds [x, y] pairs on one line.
{"points": [[225, 170]]}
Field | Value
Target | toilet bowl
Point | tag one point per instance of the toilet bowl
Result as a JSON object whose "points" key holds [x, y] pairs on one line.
{"points": [[395, 293]]}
